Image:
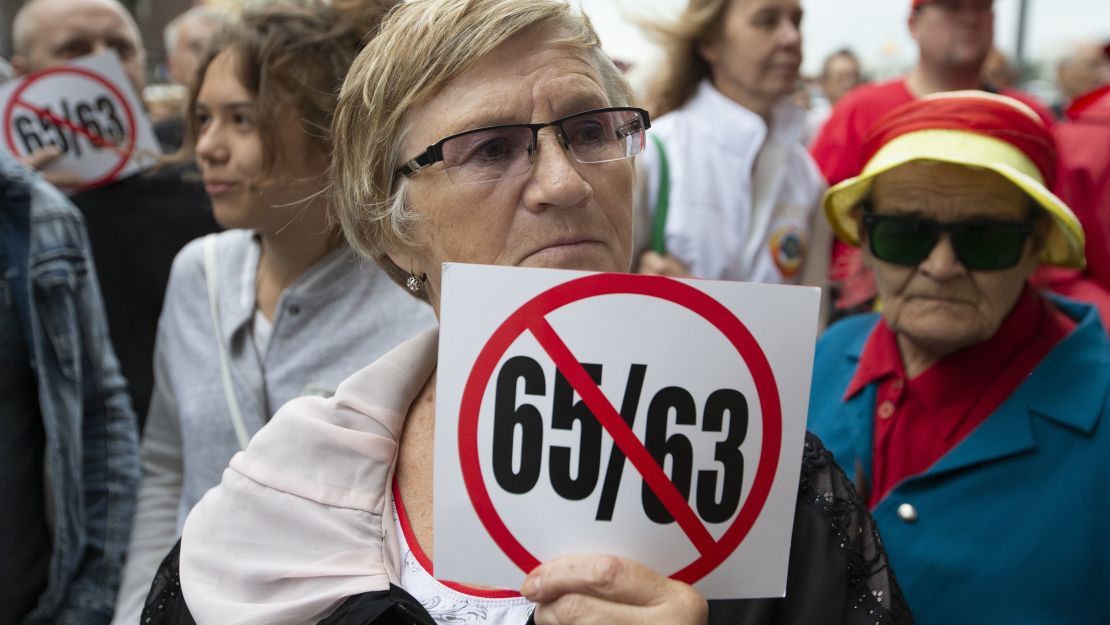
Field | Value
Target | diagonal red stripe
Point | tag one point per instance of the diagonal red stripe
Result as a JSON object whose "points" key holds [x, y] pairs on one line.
{"points": [[61, 121], [623, 436]]}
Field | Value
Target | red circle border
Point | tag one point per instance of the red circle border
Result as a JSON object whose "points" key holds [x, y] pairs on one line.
{"points": [[595, 285], [31, 79]]}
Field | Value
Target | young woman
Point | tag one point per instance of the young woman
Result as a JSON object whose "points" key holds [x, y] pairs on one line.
{"points": [[276, 307]]}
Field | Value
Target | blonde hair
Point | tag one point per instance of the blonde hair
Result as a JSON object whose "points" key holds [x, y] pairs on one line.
{"points": [[683, 67], [421, 47]]}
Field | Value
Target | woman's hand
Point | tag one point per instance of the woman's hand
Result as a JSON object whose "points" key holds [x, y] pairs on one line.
{"points": [[589, 589], [653, 263]]}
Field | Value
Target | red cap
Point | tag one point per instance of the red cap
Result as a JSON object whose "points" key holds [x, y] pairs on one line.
{"points": [[986, 114]]}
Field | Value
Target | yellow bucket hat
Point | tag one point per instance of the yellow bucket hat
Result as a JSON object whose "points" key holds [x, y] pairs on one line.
{"points": [[974, 129]]}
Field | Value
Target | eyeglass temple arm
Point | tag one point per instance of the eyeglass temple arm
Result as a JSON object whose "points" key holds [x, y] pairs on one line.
{"points": [[420, 162]]}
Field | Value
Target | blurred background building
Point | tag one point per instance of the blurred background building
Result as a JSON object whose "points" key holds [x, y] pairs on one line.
{"points": [[1034, 35]]}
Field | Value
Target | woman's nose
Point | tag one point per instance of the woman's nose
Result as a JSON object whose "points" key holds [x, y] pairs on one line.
{"points": [[942, 263], [210, 145], [555, 179]]}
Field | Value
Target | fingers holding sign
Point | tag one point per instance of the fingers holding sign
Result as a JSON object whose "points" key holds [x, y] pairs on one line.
{"points": [[589, 589], [40, 159], [653, 263]]}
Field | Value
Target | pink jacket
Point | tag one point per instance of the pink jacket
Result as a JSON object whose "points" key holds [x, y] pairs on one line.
{"points": [[303, 518]]}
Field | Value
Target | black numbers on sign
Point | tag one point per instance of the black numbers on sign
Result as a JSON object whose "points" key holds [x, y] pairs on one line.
{"points": [[727, 453], [96, 123], [565, 412], [116, 131], [508, 417], [676, 446], [717, 492]]}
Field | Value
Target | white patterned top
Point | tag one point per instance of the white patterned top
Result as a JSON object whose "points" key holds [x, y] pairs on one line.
{"points": [[447, 602]]}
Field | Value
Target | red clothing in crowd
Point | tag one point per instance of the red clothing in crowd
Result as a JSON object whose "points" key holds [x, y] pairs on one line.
{"points": [[1083, 181], [837, 148], [917, 421], [838, 152]]}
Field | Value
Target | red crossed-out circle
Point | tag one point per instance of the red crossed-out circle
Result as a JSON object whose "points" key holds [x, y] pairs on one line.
{"points": [[532, 317], [17, 100]]}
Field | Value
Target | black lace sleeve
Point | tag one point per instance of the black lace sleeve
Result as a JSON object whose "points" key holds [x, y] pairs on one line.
{"points": [[164, 603], [839, 572]]}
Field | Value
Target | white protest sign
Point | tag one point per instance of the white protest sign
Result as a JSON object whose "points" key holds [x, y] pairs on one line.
{"points": [[550, 382], [88, 110]]}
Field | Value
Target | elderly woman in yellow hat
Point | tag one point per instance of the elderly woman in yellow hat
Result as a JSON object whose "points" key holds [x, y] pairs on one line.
{"points": [[971, 409]]}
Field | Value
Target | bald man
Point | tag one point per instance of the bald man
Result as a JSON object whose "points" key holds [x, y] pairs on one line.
{"points": [[51, 32]]}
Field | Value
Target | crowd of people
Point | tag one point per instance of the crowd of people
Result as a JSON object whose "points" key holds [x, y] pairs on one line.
{"points": [[219, 375]]}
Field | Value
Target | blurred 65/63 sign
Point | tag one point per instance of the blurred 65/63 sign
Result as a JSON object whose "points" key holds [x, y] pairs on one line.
{"points": [[656, 419], [88, 110]]}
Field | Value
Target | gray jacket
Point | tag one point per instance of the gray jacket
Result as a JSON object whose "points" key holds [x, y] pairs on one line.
{"points": [[91, 457], [334, 319]]}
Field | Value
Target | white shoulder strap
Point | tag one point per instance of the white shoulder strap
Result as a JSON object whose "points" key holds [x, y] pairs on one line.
{"points": [[211, 276]]}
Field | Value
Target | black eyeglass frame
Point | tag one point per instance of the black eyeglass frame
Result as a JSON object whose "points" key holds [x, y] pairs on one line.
{"points": [[434, 153], [938, 228]]}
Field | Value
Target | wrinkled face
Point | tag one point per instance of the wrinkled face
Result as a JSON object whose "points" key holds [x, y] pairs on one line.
{"points": [[939, 305], [229, 152], [560, 214], [841, 76], [954, 33], [756, 57], [192, 37], [78, 28]]}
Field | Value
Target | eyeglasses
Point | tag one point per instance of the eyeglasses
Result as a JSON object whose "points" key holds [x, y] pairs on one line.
{"points": [[496, 152], [980, 244]]}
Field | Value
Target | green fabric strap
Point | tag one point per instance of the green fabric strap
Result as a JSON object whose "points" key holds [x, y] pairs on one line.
{"points": [[662, 202]]}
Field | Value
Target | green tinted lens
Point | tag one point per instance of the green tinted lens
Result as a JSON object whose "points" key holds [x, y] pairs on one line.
{"points": [[989, 246], [900, 240]]}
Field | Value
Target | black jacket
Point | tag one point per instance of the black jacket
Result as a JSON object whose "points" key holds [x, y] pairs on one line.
{"points": [[136, 227]]}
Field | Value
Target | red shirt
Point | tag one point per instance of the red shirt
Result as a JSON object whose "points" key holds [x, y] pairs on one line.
{"points": [[1083, 179], [838, 153], [917, 421]]}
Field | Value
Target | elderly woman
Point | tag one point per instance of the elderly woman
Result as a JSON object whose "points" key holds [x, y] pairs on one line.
{"points": [[482, 131], [971, 408]]}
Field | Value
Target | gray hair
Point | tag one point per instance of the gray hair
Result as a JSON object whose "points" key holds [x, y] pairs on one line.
{"points": [[201, 13]]}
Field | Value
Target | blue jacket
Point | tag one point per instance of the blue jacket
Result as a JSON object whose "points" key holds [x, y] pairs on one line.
{"points": [[1013, 525], [91, 455]]}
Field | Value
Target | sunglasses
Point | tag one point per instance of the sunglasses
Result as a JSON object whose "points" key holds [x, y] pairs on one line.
{"points": [[980, 244]]}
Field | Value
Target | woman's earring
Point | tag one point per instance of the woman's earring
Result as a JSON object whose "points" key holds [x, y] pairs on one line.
{"points": [[414, 283]]}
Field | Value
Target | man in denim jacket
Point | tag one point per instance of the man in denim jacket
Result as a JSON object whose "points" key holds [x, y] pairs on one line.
{"points": [[69, 464]]}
